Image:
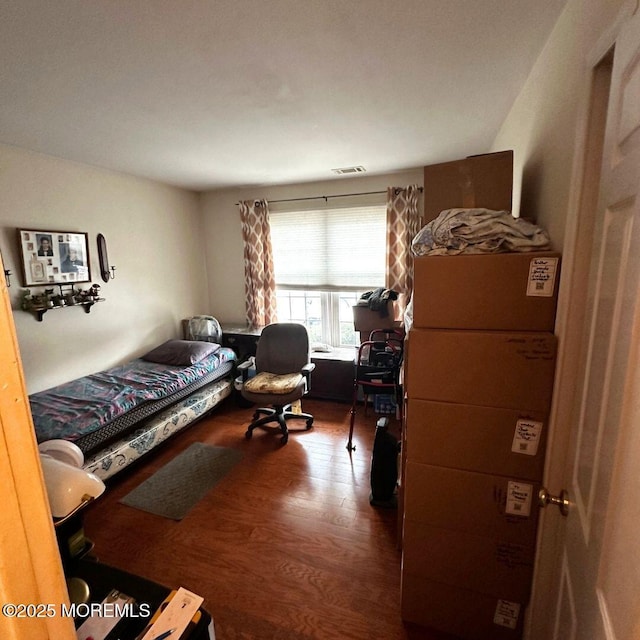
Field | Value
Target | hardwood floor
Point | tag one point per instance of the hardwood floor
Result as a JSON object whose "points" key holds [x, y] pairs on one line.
{"points": [[286, 546]]}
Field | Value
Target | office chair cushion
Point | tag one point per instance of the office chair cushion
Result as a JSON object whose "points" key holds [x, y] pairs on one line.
{"points": [[271, 383]]}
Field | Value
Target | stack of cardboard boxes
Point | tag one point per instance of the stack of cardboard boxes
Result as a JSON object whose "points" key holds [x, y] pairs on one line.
{"points": [[479, 372]]}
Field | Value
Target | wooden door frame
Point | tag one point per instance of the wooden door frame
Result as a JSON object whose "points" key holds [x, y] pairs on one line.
{"points": [[569, 328], [31, 566]]}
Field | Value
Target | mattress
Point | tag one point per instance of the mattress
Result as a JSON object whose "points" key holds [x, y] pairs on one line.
{"points": [[96, 409], [121, 452]]}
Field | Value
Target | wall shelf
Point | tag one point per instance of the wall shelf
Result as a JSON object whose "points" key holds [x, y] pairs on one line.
{"points": [[68, 296], [40, 311]]}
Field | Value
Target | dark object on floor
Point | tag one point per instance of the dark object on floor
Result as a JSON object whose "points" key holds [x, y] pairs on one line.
{"points": [[175, 488], [384, 467], [283, 375]]}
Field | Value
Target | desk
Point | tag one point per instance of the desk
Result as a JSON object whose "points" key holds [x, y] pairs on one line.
{"points": [[332, 378], [102, 578], [242, 340]]}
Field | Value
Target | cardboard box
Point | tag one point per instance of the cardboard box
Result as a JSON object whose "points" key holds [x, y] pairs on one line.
{"points": [[463, 613], [504, 291], [512, 370], [366, 320], [484, 181], [496, 507], [491, 566], [504, 442]]}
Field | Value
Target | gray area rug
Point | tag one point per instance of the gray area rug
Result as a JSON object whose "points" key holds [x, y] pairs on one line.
{"points": [[175, 488]]}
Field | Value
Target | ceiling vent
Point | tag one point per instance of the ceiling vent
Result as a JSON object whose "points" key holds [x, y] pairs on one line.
{"points": [[348, 170]]}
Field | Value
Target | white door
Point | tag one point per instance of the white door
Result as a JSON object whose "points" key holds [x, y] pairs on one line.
{"points": [[598, 592]]}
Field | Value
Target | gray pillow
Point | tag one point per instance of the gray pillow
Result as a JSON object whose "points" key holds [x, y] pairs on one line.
{"points": [[181, 352]]}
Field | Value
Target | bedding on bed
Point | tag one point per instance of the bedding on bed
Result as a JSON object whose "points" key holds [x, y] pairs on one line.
{"points": [[96, 408], [120, 452]]}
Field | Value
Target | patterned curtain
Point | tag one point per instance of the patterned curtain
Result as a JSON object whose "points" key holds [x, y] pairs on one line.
{"points": [[403, 223], [259, 279]]}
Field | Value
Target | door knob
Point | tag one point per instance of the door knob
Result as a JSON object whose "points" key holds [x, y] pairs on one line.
{"points": [[545, 498]]}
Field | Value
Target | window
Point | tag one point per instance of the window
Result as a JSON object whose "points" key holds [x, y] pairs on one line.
{"points": [[324, 259], [326, 314]]}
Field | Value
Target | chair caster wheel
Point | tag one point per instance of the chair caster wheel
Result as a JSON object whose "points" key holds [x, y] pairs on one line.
{"points": [[309, 423], [248, 435], [284, 440]]}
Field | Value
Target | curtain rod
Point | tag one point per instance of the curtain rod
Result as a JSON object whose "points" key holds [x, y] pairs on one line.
{"points": [[338, 195]]}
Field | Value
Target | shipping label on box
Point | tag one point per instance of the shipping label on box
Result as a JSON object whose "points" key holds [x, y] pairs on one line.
{"points": [[519, 496], [542, 277], [507, 614], [526, 438]]}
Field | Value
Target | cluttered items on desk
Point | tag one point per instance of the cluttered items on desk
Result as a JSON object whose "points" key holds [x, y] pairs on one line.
{"points": [[142, 615], [176, 617], [106, 620]]}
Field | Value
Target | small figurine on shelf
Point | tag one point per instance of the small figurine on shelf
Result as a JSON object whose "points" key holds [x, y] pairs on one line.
{"points": [[58, 300], [38, 301], [48, 300], [82, 296], [27, 300], [94, 292]]}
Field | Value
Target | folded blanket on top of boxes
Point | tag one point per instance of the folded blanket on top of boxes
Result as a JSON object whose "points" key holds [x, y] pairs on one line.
{"points": [[457, 231]]}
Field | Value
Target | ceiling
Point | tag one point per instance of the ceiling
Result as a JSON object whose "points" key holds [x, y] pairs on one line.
{"points": [[207, 94]]}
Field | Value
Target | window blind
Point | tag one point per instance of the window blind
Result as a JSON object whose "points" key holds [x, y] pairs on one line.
{"points": [[328, 249]]}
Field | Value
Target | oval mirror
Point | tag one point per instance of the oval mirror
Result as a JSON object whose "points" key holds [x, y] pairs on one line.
{"points": [[102, 257]]}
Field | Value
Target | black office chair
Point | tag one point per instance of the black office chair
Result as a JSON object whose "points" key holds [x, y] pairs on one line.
{"points": [[283, 376]]}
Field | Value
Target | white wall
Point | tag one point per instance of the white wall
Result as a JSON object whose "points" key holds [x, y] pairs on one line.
{"points": [[541, 127], [174, 251], [224, 249], [154, 239]]}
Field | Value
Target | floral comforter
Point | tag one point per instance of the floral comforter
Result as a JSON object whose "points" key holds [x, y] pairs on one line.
{"points": [[77, 408]]}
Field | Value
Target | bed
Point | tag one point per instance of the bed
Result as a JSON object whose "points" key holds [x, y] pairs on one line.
{"points": [[116, 416]]}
